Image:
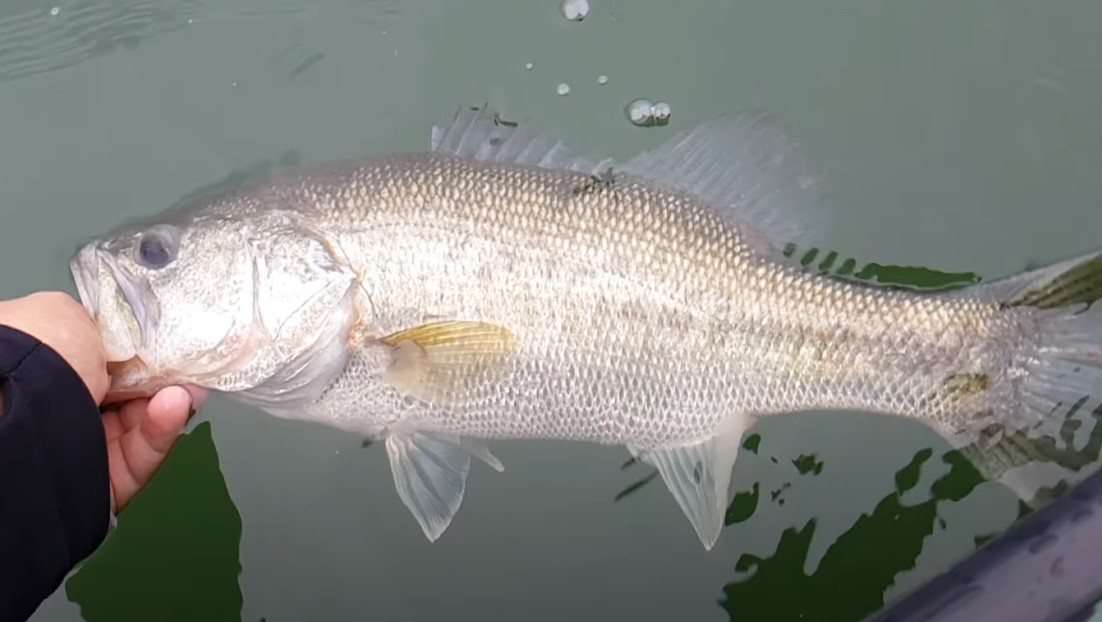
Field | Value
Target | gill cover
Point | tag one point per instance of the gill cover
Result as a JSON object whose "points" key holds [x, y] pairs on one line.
{"points": [[303, 310]]}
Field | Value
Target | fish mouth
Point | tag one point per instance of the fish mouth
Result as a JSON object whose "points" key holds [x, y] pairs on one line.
{"points": [[87, 268], [114, 300], [100, 281], [131, 379], [130, 376]]}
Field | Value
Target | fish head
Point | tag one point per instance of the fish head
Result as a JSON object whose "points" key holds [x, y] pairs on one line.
{"points": [[217, 301]]}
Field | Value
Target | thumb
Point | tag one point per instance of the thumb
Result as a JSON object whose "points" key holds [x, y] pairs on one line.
{"points": [[167, 414], [152, 429]]}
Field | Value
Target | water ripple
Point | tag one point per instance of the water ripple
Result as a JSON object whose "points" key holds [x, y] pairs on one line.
{"points": [[37, 38], [33, 41]]}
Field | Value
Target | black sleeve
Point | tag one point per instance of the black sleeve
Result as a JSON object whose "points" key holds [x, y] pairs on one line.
{"points": [[55, 499]]}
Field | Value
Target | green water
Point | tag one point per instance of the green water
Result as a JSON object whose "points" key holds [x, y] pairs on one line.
{"points": [[964, 137]]}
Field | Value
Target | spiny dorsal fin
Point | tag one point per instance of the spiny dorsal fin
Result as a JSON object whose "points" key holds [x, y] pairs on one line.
{"points": [[481, 134]]}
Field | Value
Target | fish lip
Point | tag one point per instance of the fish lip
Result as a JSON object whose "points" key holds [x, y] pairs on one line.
{"points": [[84, 266], [124, 387]]}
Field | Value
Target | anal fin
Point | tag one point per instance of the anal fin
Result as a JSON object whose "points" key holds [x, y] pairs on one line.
{"points": [[430, 472], [699, 475]]}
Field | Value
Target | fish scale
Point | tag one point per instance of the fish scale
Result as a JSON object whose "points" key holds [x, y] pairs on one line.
{"points": [[497, 287]]}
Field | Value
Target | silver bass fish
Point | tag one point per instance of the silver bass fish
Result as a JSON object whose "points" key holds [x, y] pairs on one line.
{"points": [[496, 286]]}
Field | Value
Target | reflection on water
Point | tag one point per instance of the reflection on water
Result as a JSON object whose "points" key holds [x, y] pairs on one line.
{"points": [[175, 552], [879, 546]]}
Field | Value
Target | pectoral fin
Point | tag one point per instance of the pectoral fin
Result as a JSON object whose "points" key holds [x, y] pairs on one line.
{"points": [[699, 475], [430, 472], [449, 361]]}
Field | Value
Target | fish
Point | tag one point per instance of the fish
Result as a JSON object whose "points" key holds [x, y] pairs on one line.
{"points": [[498, 286]]}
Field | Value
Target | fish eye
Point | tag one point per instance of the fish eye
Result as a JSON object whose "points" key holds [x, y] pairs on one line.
{"points": [[156, 249]]}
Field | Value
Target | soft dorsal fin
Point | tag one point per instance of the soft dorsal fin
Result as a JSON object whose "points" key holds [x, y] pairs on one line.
{"points": [[745, 166], [748, 167]]}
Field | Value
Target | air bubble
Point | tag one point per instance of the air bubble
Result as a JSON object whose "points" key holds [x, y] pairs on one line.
{"points": [[575, 10], [563, 89], [528, 66], [602, 79], [645, 113], [54, 11], [641, 112], [662, 112]]}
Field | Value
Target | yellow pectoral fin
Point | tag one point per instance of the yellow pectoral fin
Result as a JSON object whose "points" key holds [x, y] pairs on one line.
{"points": [[448, 361]]}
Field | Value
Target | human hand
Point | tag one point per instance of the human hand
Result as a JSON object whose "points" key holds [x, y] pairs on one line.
{"points": [[140, 434], [63, 324]]}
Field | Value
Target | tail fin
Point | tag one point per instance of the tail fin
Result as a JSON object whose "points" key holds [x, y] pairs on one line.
{"points": [[1062, 374]]}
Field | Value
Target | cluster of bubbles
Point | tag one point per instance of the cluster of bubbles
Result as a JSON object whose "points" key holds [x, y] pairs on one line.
{"points": [[641, 112], [645, 113], [564, 88]]}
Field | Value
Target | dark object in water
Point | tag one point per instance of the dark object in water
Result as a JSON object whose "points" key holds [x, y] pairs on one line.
{"points": [[1045, 568]]}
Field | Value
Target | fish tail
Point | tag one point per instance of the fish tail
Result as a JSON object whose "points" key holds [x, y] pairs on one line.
{"points": [[1057, 374]]}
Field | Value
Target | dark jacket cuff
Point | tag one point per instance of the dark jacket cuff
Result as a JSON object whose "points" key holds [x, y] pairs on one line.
{"points": [[54, 479]]}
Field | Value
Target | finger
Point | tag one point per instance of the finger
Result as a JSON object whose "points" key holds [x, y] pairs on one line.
{"points": [[112, 425], [116, 421], [148, 440], [168, 413], [123, 484], [132, 413]]}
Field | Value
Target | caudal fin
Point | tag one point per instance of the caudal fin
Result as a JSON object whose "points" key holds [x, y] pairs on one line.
{"points": [[1060, 374]]}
